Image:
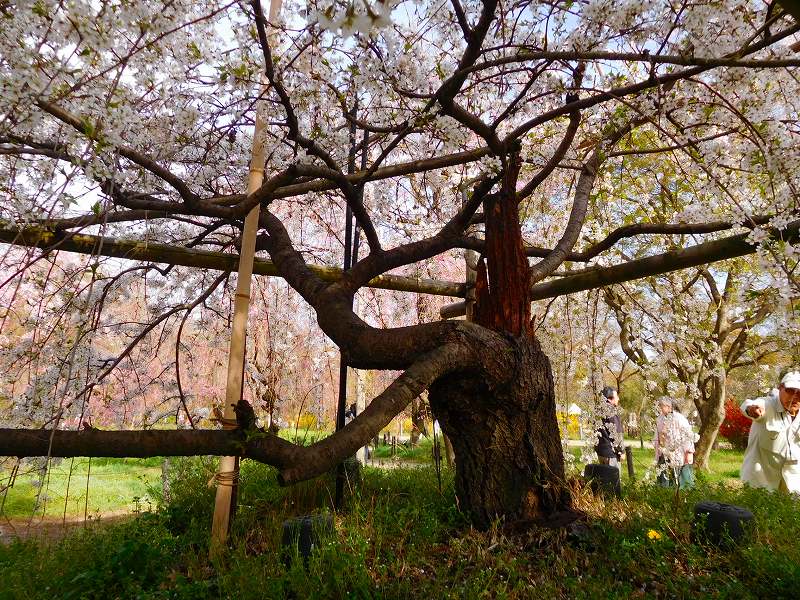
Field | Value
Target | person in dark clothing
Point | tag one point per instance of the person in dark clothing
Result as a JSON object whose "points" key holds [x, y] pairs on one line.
{"points": [[609, 433]]}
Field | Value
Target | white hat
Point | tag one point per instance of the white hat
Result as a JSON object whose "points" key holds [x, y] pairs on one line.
{"points": [[791, 380]]}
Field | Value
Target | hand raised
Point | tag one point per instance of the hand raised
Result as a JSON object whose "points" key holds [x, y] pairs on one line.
{"points": [[755, 411]]}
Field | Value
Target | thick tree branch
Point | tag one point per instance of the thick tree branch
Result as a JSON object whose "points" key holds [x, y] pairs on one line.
{"points": [[268, 449], [398, 170], [693, 256], [177, 255], [445, 239], [462, 19], [326, 453], [626, 231], [295, 463]]}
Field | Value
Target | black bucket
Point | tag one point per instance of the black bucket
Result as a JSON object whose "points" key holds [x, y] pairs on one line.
{"points": [[302, 534], [603, 478], [719, 524]]}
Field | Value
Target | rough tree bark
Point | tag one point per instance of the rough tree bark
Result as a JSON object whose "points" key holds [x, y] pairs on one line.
{"points": [[417, 420], [509, 460], [712, 414]]}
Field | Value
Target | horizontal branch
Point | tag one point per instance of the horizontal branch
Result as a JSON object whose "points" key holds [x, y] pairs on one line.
{"points": [[397, 170], [269, 449], [187, 257], [694, 256], [658, 59], [700, 254], [295, 463]]}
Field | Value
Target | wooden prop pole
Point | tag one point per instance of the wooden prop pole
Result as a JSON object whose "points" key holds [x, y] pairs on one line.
{"points": [[228, 475], [228, 465]]}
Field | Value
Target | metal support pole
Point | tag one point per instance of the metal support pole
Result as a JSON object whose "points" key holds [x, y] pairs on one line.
{"points": [[629, 460], [348, 256]]}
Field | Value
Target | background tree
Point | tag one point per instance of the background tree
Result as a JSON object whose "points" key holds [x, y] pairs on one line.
{"points": [[698, 328]]}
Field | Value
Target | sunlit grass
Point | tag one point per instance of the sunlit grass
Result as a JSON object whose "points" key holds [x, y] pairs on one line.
{"points": [[422, 452], [114, 485]]}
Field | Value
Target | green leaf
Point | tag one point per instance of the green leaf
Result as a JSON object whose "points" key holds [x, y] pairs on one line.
{"points": [[194, 51], [39, 8]]}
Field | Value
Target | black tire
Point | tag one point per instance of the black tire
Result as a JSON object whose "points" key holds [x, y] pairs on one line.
{"points": [[719, 524], [302, 534], [603, 478]]}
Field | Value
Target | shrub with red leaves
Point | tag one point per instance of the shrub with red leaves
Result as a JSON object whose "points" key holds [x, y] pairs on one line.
{"points": [[736, 427]]}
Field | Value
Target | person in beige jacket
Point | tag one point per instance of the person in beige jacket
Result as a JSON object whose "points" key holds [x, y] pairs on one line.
{"points": [[674, 446], [772, 459]]}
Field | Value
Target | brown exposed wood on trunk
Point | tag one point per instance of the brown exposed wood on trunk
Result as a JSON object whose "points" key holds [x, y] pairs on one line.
{"points": [[504, 433], [505, 306], [481, 305], [509, 460]]}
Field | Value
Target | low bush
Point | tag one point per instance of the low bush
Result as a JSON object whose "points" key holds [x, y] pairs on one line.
{"points": [[736, 427]]}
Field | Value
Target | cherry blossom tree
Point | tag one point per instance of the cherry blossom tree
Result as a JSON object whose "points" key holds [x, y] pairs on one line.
{"points": [[537, 135], [695, 329]]}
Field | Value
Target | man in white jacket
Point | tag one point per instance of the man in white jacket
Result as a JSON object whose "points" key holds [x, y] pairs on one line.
{"points": [[772, 459]]}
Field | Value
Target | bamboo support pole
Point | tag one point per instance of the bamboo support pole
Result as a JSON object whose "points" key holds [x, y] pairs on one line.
{"points": [[229, 465], [228, 475]]}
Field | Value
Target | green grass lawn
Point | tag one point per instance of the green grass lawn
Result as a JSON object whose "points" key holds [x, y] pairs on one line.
{"points": [[724, 466], [399, 536], [124, 485], [421, 453], [302, 436], [115, 485]]}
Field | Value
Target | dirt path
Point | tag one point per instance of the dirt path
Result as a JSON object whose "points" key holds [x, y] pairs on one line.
{"points": [[394, 463], [52, 528]]}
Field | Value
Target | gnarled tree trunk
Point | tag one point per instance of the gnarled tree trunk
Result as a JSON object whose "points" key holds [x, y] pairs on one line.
{"points": [[504, 432], [509, 460]]}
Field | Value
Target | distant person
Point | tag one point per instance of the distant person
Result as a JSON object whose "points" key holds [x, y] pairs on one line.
{"points": [[609, 433], [350, 413], [773, 448], [674, 446]]}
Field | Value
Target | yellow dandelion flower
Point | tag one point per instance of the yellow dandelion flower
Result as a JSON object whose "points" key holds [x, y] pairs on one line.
{"points": [[653, 535]]}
